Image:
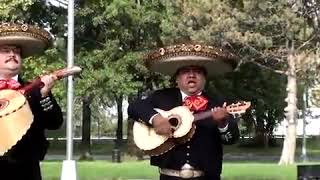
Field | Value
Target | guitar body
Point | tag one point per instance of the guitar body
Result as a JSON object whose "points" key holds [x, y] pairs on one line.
{"points": [[15, 113], [181, 120], [152, 143], [15, 118], [146, 138]]}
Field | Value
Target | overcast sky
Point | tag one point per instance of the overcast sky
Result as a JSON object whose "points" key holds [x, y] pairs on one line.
{"points": [[62, 3]]}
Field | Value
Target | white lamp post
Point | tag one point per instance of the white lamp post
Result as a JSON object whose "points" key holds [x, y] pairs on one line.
{"points": [[69, 169]]}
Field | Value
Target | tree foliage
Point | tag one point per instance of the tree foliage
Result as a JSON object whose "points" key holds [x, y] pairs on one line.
{"points": [[112, 36]]}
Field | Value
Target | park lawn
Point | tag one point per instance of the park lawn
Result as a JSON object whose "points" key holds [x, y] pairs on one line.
{"points": [[258, 171], [104, 170]]}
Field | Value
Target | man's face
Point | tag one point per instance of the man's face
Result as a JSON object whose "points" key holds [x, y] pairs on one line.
{"points": [[191, 79], [10, 60]]}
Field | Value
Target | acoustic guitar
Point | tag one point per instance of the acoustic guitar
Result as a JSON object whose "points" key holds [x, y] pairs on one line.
{"points": [[181, 120], [15, 114]]}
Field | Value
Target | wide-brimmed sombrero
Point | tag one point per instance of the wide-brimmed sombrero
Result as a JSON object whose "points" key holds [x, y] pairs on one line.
{"points": [[167, 60], [31, 39]]}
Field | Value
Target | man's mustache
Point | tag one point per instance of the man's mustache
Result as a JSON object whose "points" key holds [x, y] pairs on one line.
{"points": [[12, 59]]}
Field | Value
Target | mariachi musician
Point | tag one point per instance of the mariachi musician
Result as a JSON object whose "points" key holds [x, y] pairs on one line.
{"points": [[190, 65], [18, 41]]}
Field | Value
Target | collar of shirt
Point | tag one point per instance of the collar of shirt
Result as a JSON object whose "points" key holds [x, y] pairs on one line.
{"points": [[14, 77], [184, 95]]}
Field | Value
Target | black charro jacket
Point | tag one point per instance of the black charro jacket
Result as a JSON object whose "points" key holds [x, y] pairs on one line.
{"points": [[204, 150]]}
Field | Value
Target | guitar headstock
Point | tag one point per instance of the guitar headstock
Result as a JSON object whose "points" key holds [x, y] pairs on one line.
{"points": [[238, 108]]}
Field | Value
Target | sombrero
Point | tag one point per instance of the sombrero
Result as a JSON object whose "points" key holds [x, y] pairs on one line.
{"points": [[167, 60], [31, 39]]}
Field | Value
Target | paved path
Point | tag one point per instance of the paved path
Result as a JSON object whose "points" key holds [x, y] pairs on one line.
{"points": [[56, 157]]}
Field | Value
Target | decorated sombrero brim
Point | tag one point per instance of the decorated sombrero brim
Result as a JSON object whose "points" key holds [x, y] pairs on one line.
{"points": [[31, 39], [167, 60]]}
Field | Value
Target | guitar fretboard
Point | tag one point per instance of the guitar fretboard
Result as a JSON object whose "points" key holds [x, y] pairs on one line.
{"points": [[202, 115]]}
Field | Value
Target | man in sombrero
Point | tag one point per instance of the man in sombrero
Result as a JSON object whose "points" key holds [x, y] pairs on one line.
{"points": [[19, 41], [190, 65]]}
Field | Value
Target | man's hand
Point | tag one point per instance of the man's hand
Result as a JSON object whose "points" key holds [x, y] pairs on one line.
{"points": [[48, 81], [162, 126], [219, 115]]}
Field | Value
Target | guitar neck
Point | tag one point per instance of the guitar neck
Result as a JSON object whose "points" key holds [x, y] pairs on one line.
{"points": [[29, 87], [202, 115], [61, 73], [233, 109]]}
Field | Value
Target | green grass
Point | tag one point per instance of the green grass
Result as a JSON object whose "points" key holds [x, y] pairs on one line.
{"points": [[103, 170], [258, 171]]}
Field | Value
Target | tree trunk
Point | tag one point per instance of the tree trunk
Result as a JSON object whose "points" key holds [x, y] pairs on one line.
{"points": [[119, 133], [86, 128], [289, 143], [260, 132], [116, 152]]}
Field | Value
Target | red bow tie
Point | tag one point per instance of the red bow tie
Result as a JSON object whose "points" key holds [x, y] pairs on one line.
{"points": [[196, 103], [9, 84]]}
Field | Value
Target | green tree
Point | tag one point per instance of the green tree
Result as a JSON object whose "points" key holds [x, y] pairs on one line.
{"points": [[13, 9], [257, 30], [110, 36]]}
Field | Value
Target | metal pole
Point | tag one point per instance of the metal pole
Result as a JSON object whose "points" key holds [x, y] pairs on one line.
{"points": [[69, 171], [70, 78]]}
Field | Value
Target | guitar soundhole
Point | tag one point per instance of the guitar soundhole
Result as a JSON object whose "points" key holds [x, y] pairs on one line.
{"points": [[174, 122], [3, 103]]}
